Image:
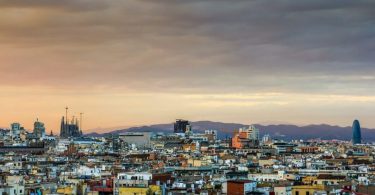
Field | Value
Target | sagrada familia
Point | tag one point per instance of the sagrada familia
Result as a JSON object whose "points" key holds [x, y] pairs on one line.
{"points": [[71, 129]]}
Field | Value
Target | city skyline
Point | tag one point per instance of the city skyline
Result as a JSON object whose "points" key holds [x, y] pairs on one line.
{"points": [[140, 62], [77, 122], [195, 97]]}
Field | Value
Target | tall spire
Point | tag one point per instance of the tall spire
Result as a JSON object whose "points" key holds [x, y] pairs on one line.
{"points": [[80, 121], [66, 115], [71, 127], [62, 127], [66, 120]]}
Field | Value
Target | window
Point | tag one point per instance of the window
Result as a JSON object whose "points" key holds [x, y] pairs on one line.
{"points": [[297, 192], [307, 193]]}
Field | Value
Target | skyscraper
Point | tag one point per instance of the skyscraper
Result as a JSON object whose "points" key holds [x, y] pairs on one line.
{"points": [[357, 138]]}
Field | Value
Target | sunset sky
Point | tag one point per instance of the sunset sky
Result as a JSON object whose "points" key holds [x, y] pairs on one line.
{"points": [[136, 62]]}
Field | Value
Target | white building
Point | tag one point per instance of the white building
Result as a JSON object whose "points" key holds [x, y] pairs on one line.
{"points": [[14, 186], [138, 139], [251, 131], [85, 171], [283, 190], [211, 132], [260, 177], [132, 179]]}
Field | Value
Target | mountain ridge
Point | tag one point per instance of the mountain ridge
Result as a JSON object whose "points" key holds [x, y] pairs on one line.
{"points": [[280, 131]]}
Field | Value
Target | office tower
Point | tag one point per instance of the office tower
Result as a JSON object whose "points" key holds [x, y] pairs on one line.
{"points": [[182, 126], [39, 129], [357, 138]]}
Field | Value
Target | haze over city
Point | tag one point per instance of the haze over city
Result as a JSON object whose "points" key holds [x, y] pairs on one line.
{"points": [[136, 62]]}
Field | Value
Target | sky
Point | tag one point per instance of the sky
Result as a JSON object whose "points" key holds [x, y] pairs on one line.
{"points": [[137, 62]]}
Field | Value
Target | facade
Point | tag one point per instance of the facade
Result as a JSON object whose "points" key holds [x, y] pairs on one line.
{"points": [[357, 138], [135, 183], [252, 132], [39, 129], [137, 139], [211, 134], [240, 141], [307, 189], [182, 126], [16, 130], [246, 137], [240, 187], [283, 190]]}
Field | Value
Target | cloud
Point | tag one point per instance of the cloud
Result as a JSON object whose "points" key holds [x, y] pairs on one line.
{"points": [[197, 47]]}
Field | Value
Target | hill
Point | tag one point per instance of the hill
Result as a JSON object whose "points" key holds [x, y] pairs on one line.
{"points": [[286, 132]]}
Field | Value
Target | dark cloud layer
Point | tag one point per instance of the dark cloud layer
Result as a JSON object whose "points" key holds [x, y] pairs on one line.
{"points": [[261, 45]]}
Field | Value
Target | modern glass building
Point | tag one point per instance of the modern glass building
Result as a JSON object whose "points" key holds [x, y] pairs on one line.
{"points": [[357, 138]]}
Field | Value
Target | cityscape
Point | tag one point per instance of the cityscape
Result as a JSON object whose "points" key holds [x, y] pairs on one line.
{"points": [[181, 161], [195, 97]]}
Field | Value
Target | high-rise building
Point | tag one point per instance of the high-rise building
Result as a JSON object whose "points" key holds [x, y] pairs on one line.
{"points": [[39, 129], [182, 126], [252, 132], [357, 138], [246, 137]]}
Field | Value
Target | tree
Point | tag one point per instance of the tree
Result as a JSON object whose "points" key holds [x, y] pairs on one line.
{"points": [[149, 192]]}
